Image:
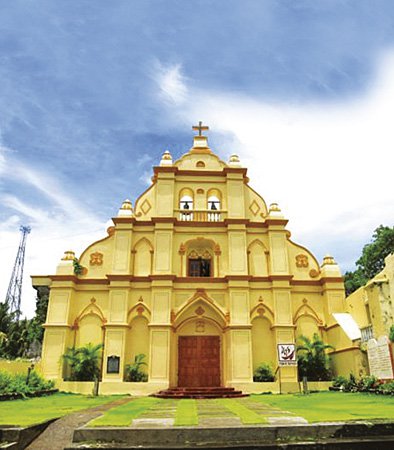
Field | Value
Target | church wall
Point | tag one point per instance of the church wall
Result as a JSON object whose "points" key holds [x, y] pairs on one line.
{"points": [[89, 331], [302, 263], [97, 258], [255, 207], [137, 341], [263, 343], [306, 326]]}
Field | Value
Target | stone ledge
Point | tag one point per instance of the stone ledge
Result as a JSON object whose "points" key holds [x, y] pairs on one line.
{"points": [[241, 437]]}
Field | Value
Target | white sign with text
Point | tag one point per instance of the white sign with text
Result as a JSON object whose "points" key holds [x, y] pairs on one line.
{"points": [[287, 355], [379, 358]]}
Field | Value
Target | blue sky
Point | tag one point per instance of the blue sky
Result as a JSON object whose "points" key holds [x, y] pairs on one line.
{"points": [[92, 92]]}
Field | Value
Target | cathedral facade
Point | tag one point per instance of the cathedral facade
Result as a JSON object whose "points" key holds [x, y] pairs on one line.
{"points": [[201, 277]]}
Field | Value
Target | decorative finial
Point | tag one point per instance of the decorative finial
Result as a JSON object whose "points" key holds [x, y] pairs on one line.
{"points": [[275, 212], [234, 161], [166, 159], [126, 210], [274, 207], [69, 255], [200, 127], [328, 260]]}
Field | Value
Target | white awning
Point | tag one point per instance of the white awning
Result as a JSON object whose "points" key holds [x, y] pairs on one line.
{"points": [[348, 325]]}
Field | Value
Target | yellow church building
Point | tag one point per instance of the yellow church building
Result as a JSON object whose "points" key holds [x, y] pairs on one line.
{"points": [[201, 277]]}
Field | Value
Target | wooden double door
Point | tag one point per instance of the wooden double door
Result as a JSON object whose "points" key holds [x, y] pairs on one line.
{"points": [[198, 361]]}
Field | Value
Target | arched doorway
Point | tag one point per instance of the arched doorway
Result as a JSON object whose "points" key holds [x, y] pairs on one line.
{"points": [[199, 345]]}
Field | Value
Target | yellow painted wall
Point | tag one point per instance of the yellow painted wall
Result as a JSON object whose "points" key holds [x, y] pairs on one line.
{"points": [[136, 296]]}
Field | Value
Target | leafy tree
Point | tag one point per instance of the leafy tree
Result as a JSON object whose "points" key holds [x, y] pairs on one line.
{"points": [[313, 361], [134, 371], [372, 258], [84, 362]]}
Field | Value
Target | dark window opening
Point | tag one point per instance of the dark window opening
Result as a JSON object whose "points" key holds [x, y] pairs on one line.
{"points": [[199, 267]]}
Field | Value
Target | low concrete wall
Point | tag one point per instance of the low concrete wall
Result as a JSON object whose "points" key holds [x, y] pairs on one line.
{"points": [[76, 387], [284, 388]]}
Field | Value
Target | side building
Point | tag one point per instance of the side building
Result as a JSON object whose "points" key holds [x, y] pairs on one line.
{"points": [[201, 277]]}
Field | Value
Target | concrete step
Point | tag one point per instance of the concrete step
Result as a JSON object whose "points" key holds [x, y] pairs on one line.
{"points": [[200, 393], [324, 436]]}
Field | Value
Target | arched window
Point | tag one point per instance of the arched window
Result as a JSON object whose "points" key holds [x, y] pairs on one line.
{"points": [[200, 264], [186, 207]]}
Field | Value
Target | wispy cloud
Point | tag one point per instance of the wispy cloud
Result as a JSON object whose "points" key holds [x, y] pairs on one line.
{"points": [[172, 83], [63, 223]]}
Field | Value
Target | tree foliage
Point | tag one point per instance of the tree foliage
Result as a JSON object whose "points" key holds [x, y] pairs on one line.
{"points": [[313, 361], [371, 261], [84, 362]]}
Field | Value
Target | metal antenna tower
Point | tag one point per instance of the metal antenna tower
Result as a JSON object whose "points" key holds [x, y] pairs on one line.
{"points": [[14, 292]]}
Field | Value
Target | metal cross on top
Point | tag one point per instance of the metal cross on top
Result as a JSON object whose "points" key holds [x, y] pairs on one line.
{"points": [[200, 127]]}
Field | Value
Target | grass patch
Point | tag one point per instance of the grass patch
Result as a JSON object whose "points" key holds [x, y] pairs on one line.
{"points": [[36, 410], [186, 413], [246, 415], [122, 416], [333, 406]]}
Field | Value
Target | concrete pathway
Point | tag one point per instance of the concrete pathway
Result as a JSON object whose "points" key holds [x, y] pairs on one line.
{"points": [[212, 413], [59, 434]]}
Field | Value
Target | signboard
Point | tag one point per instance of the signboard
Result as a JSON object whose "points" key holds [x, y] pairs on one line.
{"points": [[113, 363], [287, 355], [379, 358]]}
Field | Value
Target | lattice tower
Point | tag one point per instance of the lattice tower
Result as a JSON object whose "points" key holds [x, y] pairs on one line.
{"points": [[14, 292]]}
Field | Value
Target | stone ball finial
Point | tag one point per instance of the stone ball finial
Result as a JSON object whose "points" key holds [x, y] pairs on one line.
{"points": [[69, 255], [234, 161], [166, 159], [126, 209]]}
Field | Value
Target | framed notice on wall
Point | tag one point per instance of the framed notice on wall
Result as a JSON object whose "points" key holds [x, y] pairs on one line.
{"points": [[113, 363], [287, 355]]}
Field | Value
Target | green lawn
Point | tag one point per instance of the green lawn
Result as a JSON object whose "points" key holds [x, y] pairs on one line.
{"points": [[247, 415], [122, 416], [36, 410], [333, 406], [186, 413]]}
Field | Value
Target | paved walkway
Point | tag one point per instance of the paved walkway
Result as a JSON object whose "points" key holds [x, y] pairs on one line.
{"points": [[212, 413], [59, 434]]}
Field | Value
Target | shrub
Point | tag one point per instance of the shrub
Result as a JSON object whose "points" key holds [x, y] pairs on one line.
{"points": [[84, 362], [263, 373], [134, 371], [16, 383], [386, 388], [339, 381], [367, 383]]}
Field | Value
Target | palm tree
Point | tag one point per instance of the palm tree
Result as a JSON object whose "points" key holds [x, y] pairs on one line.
{"points": [[134, 372], [84, 362], [312, 359]]}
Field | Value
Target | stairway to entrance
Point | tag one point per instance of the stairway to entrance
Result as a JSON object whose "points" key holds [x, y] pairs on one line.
{"points": [[200, 392]]}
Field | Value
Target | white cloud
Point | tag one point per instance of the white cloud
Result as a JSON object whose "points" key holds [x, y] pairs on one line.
{"points": [[171, 83], [330, 166]]}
